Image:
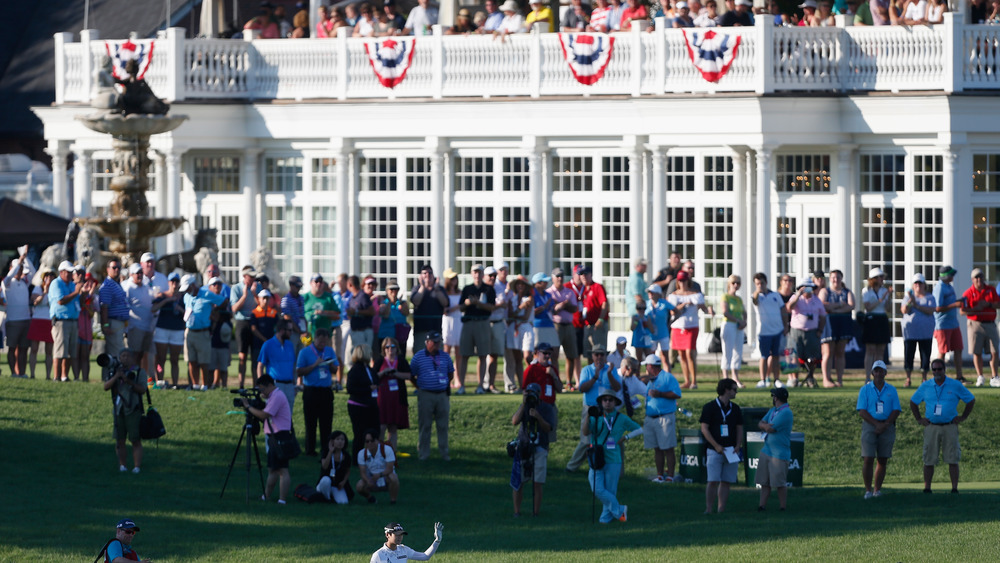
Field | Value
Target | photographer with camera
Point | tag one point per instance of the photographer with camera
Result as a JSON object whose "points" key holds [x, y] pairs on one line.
{"points": [[277, 417], [537, 419], [545, 374], [127, 383], [606, 429]]}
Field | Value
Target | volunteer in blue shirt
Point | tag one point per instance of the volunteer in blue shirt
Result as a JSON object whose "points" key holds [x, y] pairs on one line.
{"points": [[940, 421], [314, 368], [878, 405], [64, 309], [772, 467], [198, 304], [946, 332], [659, 428], [598, 375], [658, 311], [277, 359]]}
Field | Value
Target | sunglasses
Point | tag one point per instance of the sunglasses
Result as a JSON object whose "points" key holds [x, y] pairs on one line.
{"points": [[387, 346], [133, 532]]}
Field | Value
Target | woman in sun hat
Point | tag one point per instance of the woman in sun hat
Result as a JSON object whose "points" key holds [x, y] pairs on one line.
{"points": [[877, 301]]}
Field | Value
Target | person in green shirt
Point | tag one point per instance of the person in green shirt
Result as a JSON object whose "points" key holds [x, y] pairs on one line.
{"points": [[609, 429], [862, 12], [323, 311]]}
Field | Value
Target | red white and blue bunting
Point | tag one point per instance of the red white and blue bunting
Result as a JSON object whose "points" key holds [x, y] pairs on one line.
{"points": [[587, 54], [123, 52], [391, 58], [712, 52]]}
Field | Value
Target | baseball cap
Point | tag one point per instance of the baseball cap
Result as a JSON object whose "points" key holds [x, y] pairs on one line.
{"points": [[808, 4], [370, 279], [577, 268], [946, 271], [683, 276], [879, 364], [876, 272], [433, 335], [127, 524], [918, 277], [540, 277], [247, 270], [976, 272], [621, 340], [643, 261], [135, 269], [490, 271], [262, 277], [651, 360], [174, 276], [264, 293], [557, 273], [780, 392], [317, 277], [214, 281], [681, 5], [654, 289], [79, 268], [187, 281], [749, 3], [395, 528], [533, 389], [392, 285], [147, 257], [543, 347], [808, 283], [583, 270], [476, 267], [501, 266], [65, 266], [818, 274], [295, 280]]}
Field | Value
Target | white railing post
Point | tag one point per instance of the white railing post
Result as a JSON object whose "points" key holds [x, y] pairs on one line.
{"points": [[636, 70], [954, 65], [343, 63], [437, 61], [660, 32], [176, 69], [764, 67], [535, 56], [251, 64], [60, 40], [87, 61]]}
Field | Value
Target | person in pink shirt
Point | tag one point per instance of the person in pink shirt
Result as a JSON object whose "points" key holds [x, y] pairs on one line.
{"points": [[277, 419], [634, 11], [808, 319]]}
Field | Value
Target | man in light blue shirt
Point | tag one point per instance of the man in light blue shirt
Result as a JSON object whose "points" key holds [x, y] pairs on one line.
{"points": [[598, 375], [940, 420], [659, 428], [658, 311], [878, 406], [946, 331], [635, 286], [277, 359], [64, 310], [772, 467], [198, 304]]}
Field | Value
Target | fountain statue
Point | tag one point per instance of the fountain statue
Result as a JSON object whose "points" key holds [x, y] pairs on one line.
{"points": [[130, 117]]}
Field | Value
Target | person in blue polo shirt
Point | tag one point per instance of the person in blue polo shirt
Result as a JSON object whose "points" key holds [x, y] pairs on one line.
{"points": [[940, 420], [198, 304], [772, 467], [277, 359], [64, 308], [432, 371], [878, 405], [659, 428], [120, 548]]}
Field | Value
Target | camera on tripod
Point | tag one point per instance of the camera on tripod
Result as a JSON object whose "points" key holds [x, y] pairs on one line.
{"points": [[252, 396]]}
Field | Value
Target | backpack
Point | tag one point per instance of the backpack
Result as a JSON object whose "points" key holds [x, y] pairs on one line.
{"points": [[104, 552], [308, 494]]}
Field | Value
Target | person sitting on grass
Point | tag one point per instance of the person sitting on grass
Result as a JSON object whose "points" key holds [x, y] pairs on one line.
{"points": [[376, 463], [335, 484]]}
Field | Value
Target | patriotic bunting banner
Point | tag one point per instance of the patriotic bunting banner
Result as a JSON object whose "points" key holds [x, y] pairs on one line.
{"points": [[711, 52], [390, 59], [587, 54], [123, 52]]}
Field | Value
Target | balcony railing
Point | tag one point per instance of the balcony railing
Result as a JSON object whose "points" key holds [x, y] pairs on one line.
{"points": [[950, 57]]}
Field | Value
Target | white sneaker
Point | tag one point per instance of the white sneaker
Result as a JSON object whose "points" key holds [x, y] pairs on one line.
{"points": [[659, 479], [995, 382], [778, 384], [761, 384], [135, 470], [868, 495], [980, 381], [877, 494], [122, 468]]}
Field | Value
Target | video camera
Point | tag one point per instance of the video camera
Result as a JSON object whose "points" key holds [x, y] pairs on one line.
{"points": [[252, 396]]}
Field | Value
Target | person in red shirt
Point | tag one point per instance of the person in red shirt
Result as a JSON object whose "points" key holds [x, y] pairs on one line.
{"points": [[573, 376], [595, 313], [544, 373], [634, 11], [980, 306]]}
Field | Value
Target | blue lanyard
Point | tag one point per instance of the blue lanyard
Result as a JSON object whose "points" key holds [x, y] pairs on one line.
{"points": [[776, 411], [725, 414]]}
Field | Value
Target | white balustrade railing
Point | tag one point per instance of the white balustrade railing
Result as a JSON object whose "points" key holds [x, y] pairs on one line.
{"points": [[948, 57]]}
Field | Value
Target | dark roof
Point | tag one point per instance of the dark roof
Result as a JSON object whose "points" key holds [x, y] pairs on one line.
{"points": [[21, 224]]}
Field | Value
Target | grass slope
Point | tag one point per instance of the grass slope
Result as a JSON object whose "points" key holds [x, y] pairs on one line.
{"points": [[62, 491]]}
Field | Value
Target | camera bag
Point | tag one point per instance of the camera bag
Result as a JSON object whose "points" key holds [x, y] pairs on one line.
{"points": [[286, 444], [151, 424]]}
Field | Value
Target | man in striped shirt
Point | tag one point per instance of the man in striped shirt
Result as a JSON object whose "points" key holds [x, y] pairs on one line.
{"points": [[114, 310]]}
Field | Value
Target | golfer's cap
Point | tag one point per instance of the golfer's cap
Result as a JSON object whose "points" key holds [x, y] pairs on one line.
{"points": [[918, 277], [135, 269], [127, 524], [147, 257], [214, 281], [187, 281], [433, 336], [651, 360], [394, 528], [621, 340], [490, 271], [879, 364], [946, 271], [264, 293], [65, 266], [653, 288]]}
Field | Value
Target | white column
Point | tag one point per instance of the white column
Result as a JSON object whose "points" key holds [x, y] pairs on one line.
{"points": [[59, 150], [637, 248], [344, 188], [740, 264], [172, 195], [658, 205], [81, 183], [249, 223], [535, 182], [956, 214], [448, 188], [435, 146], [841, 228], [763, 191]]}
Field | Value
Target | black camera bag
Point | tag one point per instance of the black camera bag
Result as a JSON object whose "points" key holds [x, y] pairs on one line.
{"points": [[151, 424]]}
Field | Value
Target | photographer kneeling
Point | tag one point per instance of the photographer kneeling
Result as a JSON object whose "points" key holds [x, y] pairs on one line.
{"points": [[127, 383], [277, 418], [532, 444]]}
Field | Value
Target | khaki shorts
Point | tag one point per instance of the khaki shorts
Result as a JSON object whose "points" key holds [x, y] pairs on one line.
{"points": [[65, 337], [498, 338], [980, 334], [877, 445], [198, 346], [139, 340], [221, 357], [772, 472], [476, 338], [541, 468], [938, 438], [567, 340], [127, 425], [548, 335], [660, 432]]}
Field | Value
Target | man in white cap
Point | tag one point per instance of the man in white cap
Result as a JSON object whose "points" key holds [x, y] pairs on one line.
{"points": [[981, 303], [620, 353], [878, 405], [16, 293], [141, 321], [198, 304], [659, 428], [243, 300], [393, 549], [64, 310], [738, 15]]}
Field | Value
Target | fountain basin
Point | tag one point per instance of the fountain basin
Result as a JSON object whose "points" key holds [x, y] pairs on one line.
{"points": [[142, 125]]}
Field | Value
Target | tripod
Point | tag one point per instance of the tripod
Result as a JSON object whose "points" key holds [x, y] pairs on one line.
{"points": [[247, 429]]}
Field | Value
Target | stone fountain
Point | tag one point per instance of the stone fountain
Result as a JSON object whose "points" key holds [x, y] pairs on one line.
{"points": [[130, 118]]}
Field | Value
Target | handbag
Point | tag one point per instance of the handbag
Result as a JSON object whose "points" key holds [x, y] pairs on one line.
{"points": [[285, 444], [151, 424]]}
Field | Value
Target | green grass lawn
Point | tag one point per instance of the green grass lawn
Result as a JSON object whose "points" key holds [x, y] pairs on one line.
{"points": [[62, 492]]}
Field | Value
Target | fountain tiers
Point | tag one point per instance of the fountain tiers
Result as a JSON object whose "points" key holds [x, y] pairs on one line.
{"points": [[128, 225]]}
